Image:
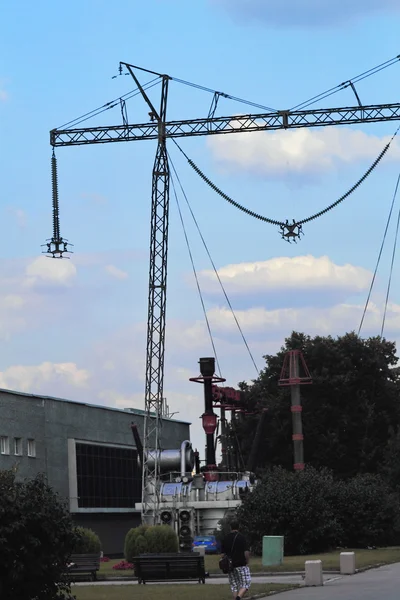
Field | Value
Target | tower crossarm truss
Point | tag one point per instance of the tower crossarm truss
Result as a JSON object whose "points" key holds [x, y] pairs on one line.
{"points": [[284, 119]]}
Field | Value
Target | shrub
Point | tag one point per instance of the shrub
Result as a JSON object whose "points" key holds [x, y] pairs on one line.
{"points": [[368, 511], [37, 536], [314, 512], [88, 542], [150, 539], [297, 506], [130, 547]]}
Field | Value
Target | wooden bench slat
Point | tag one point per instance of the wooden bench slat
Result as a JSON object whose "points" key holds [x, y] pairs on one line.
{"points": [[153, 567], [84, 563]]}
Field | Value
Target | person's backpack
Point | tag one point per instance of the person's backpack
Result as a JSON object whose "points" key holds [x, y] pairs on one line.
{"points": [[225, 563]]}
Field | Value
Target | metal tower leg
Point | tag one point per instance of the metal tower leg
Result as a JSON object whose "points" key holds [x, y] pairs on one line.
{"points": [[156, 325]]}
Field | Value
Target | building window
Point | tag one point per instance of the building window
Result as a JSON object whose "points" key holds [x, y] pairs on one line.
{"points": [[18, 446], [32, 448], [107, 477], [4, 445]]}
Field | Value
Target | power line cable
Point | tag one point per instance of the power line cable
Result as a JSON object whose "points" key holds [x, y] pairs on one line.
{"points": [[379, 257], [392, 261], [214, 267], [223, 94], [109, 105], [347, 83], [306, 103], [196, 278]]}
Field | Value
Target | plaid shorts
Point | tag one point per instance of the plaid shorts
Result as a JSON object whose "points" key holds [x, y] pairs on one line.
{"points": [[239, 578]]}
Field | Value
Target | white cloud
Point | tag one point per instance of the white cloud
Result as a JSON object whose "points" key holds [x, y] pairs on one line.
{"points": [[12, 317], [43, 378], [3, 95], [305, 13], [298, 151], [334, 320], [48, 271], [115, 272], [284, 273]]}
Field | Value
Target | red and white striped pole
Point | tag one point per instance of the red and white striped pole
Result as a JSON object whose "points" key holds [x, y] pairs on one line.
{"points": [[291, 376]]}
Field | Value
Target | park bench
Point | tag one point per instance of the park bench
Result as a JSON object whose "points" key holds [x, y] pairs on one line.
{"points": [[84, 564], [169, 566]]}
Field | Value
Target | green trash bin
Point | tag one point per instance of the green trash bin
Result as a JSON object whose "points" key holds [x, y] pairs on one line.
{"points": [[272, 550]]}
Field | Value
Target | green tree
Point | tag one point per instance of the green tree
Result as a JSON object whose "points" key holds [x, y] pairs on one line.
{"points": [[298, 506], [348, 411], [36, 540]]}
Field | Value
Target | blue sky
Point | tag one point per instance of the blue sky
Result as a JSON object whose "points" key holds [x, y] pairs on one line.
{"points": [[77, 328]]}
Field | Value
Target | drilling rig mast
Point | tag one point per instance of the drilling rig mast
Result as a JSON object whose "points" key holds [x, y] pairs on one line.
{"points": [[159, 129]]}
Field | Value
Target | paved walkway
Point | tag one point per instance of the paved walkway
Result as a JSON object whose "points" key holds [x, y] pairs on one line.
{"points": [[211, 581], [376, 584]]}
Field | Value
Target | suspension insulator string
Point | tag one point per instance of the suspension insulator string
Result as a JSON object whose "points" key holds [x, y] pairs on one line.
{"points": [[289, 231], [56, 247], [56, 211]]}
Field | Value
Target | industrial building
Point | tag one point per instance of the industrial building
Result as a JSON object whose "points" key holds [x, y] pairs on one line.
{"points": [[87, 453]]}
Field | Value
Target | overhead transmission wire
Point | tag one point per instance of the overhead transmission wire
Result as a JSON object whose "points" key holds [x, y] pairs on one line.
{"points": [[196, 277], [305, 103], [347, 83], [109, 105], [156, 81], [228, 96], [213, 266], [392, 261], [379, 259]]}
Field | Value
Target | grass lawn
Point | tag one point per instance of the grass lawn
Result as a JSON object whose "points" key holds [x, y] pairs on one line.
{"points": [[330, 562], [177, 592]]}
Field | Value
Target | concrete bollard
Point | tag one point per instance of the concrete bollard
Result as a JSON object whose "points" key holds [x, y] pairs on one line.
{"points": [[201, 550], [314, 573], [347, 563]]}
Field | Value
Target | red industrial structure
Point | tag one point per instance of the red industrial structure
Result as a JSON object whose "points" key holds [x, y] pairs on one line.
{"points": [[294, 374]]}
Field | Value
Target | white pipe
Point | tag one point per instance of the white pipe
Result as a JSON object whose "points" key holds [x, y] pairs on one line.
{"points": [[184, 445]]}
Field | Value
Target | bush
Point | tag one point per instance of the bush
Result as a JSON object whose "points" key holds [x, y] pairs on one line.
{"points": [[297, 506], [150, 539], [37, 537], [368, 511], [314, 512], [88, 542]]}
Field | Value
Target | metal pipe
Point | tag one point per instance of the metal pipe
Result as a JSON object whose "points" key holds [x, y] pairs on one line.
{"points": [[252, 460], [184, 445], [197, 462], [223, 438], [208, 398], [138, 442]]}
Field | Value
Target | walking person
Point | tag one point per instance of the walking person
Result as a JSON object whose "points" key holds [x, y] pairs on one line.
{"points": [[235, 546]]}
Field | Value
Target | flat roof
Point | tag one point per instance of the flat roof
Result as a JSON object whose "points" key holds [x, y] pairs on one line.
{"points": [[127, 411]]}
